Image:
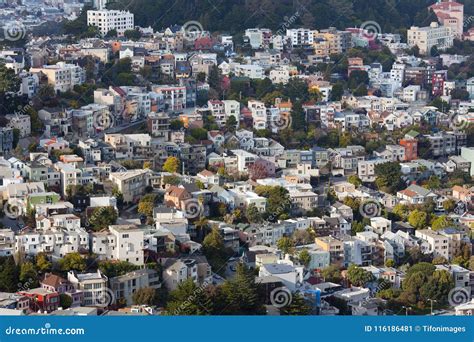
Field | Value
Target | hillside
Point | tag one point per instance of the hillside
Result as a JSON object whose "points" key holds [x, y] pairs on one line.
{"points": [[236, 15]]}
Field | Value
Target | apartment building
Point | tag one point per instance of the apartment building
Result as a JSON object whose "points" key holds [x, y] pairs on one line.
{"points": [[93, 286], [62, 76], [126, 285], [130, 183], [107, 20], [436, 243], [430, 36]]}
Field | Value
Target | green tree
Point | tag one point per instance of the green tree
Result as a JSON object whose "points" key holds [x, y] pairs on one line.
{"points": [[449, 205], [286, 245], [42, 262], [388, 176], [102, 218], [188, 300], [441, 222], [418, 219], [9, 275], [305, 257], [65, 301], [241, 294], [297, 307], [72, 261], [358, 276], [332, 274], [28, 274], [171, 165], [252, 214], [145, 296], [133, 34], [353, 179], [214, 250]]}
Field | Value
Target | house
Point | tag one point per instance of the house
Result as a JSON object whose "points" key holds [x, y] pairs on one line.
{"points": [[290, 275], [94, 287], [41, 299], [416, 194], [130, 183], [124, 286], [55, 283]]}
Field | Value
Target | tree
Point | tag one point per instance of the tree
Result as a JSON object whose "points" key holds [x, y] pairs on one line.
{"points": [[297, 307], [133, 34], [353, 179], [441, 222], [439, 260], [102, 217], [65, 301], [147, 165], [434, 183], [297, 117], [214, 250], [146, 205], [358, 276], [188, 300], [286, 245], [28, 274], [241, 294], [72, 261], [145, 296], [171, 165], [114, 268], [231, 123], [253, 214], [332, 274], [390, 263], [111, 34], [449, 205], [418, 219], [388, 176], [337, 91], [42, 262], [305, 257], [9, 275]]}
